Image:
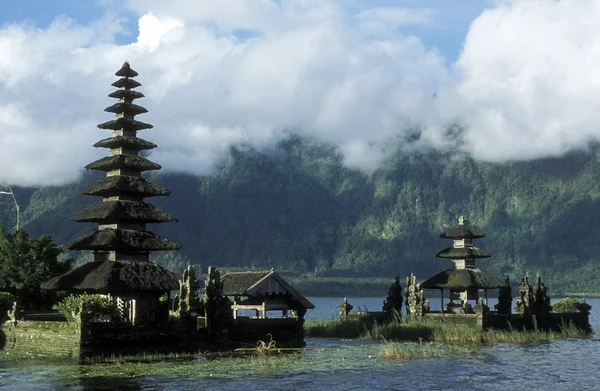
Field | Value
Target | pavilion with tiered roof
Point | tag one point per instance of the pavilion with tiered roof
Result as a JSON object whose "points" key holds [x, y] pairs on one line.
{"points": [[464, 280], [121, 243]]}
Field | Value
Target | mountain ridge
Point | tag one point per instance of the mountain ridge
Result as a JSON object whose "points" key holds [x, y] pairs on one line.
{"points": [[298, 208]]}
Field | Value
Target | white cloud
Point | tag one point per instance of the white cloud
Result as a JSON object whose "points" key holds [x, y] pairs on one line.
{"points": [[153, 30], [524, 86], [527, 79]]}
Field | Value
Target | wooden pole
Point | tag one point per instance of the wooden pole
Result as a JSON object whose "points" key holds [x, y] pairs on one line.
{"points": [[442, 301]]}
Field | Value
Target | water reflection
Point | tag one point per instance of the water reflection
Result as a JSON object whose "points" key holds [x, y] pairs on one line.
{"points": [[109, 383]]}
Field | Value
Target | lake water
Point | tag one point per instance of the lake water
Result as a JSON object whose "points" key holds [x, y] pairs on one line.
{"points": [[331, 364]]}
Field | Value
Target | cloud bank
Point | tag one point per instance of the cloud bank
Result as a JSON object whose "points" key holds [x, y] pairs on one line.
{"points": [[223, 71]]}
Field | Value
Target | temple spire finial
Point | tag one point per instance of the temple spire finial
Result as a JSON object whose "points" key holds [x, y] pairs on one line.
{"points": [[462, 220]]}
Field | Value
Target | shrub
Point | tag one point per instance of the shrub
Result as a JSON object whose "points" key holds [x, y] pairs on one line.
{"points": [[92, 308], [565, 305], [6, 302]]}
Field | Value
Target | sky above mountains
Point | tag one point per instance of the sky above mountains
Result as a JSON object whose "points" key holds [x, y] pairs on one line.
{"points": [[517, 79]]}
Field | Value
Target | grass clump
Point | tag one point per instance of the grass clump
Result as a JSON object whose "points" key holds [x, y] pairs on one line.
{"points": [[145, 357], [408, 350], [332, 328], [438, 331]]}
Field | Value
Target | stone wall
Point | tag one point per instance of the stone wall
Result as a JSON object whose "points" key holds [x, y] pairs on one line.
{"points": [[581, 320], [41, 338], [76, 340], [103, 338], [557, 321], [497, 321]]}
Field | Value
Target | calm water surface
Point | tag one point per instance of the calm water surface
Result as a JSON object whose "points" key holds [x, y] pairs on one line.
{"points": [[331, 364]]}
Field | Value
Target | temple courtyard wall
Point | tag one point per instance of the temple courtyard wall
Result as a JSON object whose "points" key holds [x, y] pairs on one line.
{"points": [[286, 332], [492, 320], [81, 340], [554, 322], [41, 338]]}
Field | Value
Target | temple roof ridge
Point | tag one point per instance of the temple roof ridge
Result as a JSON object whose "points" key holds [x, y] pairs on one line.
{"points": [[462, 231]]}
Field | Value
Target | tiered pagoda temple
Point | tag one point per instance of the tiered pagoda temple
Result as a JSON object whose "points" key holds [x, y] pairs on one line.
{"points": [[121, 244], [464, 280]]}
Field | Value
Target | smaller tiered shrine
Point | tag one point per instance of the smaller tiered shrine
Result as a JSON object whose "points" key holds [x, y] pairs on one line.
{"points": [[464, 280]]}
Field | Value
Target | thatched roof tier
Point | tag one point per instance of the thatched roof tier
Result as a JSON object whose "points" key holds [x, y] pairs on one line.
{"points": [[113, 211], [123, 161], [126, 83], [236, 283], [126, 71], [115, 277], [256, 283], [463, 279], [463, 253], [126, 95], [462, 232], [135, 143], [124, 184], [109, 239], [126, 108], [125, 123]]}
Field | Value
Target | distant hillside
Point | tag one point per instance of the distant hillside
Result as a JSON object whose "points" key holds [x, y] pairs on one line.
{"points": [[297, 208]]}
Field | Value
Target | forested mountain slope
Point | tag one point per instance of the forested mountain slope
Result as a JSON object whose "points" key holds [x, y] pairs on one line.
{"points": [[297, 208]]}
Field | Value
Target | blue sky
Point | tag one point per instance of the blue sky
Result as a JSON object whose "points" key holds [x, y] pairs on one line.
{"points": [[43, 12], [518, 76], [446, 32]]}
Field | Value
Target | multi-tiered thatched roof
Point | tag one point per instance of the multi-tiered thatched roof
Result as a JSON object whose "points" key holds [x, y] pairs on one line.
{"points": [[121, 243], [465, 275], [464, 234]]}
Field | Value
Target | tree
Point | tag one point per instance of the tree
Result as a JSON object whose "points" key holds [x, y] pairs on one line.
{"points": [[219, 316], [393, 303], [26, 263], [504, 299]]}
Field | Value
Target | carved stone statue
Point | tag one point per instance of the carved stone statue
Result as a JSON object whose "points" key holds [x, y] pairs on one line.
{"points": [[345, 307], [12, 312], [188, 291], [416, 306], [525, 302]]}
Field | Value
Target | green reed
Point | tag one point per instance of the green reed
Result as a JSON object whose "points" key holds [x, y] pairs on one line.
{"points": [[435, 330]]}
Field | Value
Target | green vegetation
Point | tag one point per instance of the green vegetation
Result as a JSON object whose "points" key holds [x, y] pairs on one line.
{"points": [[392, 305], [567, 304], [26, 263], [332, 328], [88, 308], [6, 302], [217, 308], [299, 209], [408, 351], [433, 330]]}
